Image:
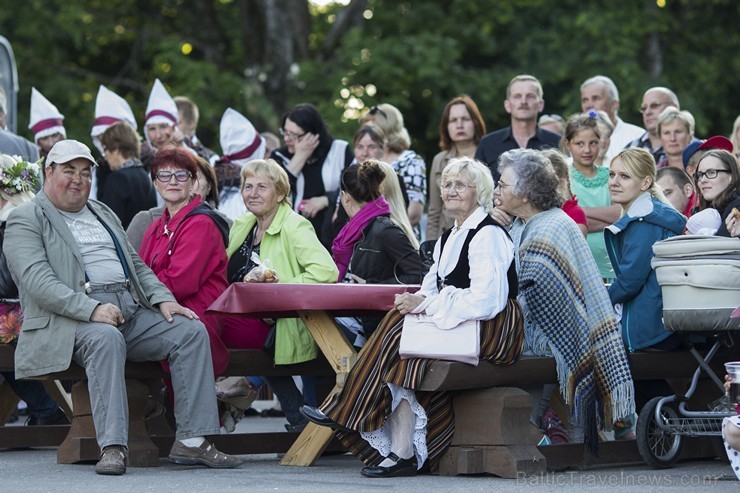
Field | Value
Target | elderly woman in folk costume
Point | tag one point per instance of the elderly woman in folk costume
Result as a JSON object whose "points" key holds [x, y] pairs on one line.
{"points": [[567, 311], [18, 180]]}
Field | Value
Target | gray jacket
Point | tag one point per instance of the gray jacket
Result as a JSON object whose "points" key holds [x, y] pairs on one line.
{"points": [[47, 266]]}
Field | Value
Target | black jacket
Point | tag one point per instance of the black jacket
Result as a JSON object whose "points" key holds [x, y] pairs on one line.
{"points": [[384, 255], [128, 191]]}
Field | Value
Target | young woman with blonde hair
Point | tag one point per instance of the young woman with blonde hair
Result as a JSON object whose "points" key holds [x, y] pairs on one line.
{"points": [[647, 217]]}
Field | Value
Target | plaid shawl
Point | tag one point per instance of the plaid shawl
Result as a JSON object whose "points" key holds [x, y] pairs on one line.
{"points": [[567, 313]]}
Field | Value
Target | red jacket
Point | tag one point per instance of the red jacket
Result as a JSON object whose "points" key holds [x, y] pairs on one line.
{"points": [[189, 257]]}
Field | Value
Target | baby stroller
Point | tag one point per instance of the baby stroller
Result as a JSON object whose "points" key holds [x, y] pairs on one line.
{"points": [[700, 281]]}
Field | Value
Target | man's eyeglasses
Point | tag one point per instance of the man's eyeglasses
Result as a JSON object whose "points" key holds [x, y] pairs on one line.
{"points": [[290, 135], [710, 174], [375, 110], [458, 186], [180, 175], [653, 106]]}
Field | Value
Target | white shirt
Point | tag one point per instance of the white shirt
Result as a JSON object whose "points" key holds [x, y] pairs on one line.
{"points": [[623, 134], [490, 254]]}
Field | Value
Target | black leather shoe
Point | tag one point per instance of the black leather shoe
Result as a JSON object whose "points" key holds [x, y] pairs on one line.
{"points": [[56, 418], [296, 428], [402, 468], [316, 416]]}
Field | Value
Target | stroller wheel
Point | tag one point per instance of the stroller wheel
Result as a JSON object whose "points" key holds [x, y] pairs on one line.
{"points": [[658, 448]]}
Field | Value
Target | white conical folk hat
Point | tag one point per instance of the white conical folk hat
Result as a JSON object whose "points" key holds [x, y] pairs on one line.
{"points": [[109, 109], [45, 117], [240, 141], [161, 108]]}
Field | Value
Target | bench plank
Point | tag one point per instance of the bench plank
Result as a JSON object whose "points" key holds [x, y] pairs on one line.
{"points": [[540, 370]]}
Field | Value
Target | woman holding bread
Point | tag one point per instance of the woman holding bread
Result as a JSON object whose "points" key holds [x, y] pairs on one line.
{"points": [[287, 243]]}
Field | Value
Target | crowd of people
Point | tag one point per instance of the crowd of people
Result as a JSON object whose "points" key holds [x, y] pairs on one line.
{"points": [[541, 232]]}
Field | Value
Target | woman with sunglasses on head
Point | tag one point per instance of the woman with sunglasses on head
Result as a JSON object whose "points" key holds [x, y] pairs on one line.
{"points": [[186, 246], [408, 164], [314, 161], [718, 181]]}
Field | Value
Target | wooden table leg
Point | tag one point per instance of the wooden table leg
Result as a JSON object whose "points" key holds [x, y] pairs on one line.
{"points": [[56, 390], [342, 356]]}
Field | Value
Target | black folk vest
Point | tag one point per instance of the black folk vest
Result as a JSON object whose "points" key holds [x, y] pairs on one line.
{"points": [[460, 275]]}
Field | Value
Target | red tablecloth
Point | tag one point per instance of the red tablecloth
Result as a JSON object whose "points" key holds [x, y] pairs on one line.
{"points": [[256, 300]]}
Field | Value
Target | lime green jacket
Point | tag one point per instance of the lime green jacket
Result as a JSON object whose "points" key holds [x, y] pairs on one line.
{"points": [[294, 251]]}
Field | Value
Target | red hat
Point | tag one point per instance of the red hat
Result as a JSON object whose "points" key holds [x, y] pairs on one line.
{"points": [[717, 142]]}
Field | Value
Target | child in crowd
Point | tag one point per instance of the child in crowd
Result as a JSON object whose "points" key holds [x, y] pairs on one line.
{"points": [[589, 183]]}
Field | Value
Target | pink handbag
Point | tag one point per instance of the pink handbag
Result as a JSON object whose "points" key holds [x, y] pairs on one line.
{"points": [[421, 338]]}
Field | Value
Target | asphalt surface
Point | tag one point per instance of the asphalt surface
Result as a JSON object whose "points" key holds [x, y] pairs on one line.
{"points": [[36, 471]]}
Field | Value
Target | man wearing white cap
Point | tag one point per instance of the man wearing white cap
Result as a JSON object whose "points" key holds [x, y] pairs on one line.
{"points": [[10, 143], [88, 297], [47, 123], [240, 143], [109, 109]]}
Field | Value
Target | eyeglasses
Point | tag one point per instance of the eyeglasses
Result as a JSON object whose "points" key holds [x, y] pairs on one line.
{"points": [[290, 135], [375, 110], [653, 106], [500, 184], [458, 186], [180, 175], [710, 174]]}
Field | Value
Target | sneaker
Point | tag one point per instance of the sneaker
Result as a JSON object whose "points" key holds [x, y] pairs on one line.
{"points": [[112, 462], [206, 454]]}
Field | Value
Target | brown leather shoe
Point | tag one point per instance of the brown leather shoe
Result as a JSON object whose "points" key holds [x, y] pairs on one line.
{"points": [[112, 462], [206, 454]]}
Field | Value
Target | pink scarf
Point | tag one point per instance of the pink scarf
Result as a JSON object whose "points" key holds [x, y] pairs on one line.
{"points": [[344, 243]]}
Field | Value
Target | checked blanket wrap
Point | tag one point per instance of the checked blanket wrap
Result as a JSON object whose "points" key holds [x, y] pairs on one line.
{"points": [[568, 314]]}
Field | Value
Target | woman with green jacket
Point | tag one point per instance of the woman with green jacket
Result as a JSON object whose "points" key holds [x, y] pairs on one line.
{"points": [[273, 231]]}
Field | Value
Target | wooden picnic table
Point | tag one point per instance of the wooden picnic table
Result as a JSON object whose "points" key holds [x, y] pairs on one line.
{"points": [[316, 305]]}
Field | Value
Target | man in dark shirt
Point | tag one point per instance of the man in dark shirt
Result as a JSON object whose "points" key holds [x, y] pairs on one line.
{"points": [[523, 102]]}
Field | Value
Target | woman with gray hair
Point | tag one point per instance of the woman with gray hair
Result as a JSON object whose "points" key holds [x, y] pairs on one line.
{"points": [[383, 420], [567, 312]]}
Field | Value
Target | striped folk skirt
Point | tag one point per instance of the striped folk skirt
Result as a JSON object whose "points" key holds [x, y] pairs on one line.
{"points": [[365, 401]]}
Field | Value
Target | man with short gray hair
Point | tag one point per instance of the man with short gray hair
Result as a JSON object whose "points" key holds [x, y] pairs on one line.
{"points": [[600, 93]]}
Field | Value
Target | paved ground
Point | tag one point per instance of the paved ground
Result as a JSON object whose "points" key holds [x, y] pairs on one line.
{"points": [[35, 471]]}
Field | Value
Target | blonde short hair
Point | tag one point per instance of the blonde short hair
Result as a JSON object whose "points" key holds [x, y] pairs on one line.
{"points": [[671, 114], [268, 168]]}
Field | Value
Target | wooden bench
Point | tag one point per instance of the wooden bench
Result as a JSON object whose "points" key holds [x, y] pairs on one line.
{"points": [[148, 439], [492, 435], [492, 429]]}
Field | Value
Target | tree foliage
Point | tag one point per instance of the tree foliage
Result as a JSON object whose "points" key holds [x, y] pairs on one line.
{"points": [[263, 56]]}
